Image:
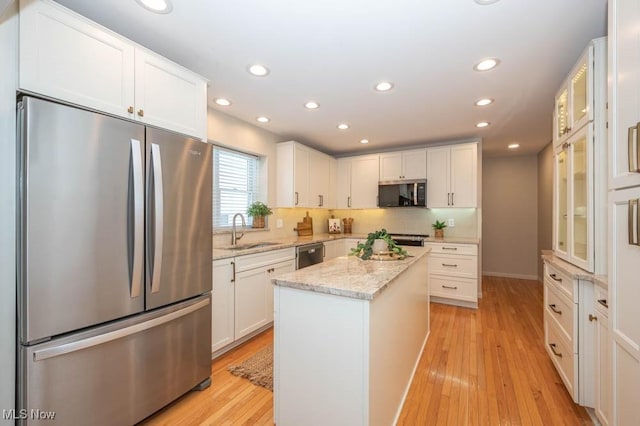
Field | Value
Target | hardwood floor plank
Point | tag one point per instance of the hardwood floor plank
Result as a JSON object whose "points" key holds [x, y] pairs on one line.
{"points": [[480, 367]]}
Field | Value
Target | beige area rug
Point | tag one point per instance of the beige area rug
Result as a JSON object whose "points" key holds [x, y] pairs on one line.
{"points": [[258, 368]]}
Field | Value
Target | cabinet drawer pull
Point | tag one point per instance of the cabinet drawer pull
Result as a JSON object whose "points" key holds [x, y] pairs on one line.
{"points": [[450, 248], [555, 278], [296, 203], [349, 201], [634, 168], [634, 205], [553, 308], [449, 287], [233, 274], [603, 302], [450, 265], [553, 349], [592, 318]]}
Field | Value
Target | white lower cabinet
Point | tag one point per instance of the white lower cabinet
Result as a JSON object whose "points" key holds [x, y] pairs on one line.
{"points": [[453, 274], [569, 332], [333, 249], [222, 299], [243, 294], [602, 352]]}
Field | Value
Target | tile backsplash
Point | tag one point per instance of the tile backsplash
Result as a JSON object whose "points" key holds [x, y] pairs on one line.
{"points": [[398, 220]]}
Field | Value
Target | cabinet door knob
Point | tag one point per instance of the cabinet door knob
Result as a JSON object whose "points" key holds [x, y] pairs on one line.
{"points": [[593, 318], [130, 110], [141, 112]]}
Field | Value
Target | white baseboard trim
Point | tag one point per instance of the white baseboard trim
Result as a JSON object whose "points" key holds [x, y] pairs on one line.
{"points": [[506, 275]]}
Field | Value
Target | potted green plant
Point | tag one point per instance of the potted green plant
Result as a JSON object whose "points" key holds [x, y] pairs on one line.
{"points": [[258, 211], [438, 227], [378, 239]]}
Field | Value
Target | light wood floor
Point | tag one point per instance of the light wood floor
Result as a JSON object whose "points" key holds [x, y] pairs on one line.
{"points": [[480, 367]]}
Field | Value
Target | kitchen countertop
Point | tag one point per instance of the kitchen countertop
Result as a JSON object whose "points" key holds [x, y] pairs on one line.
{"points": [[573, 271], [222, 253], [351, 276]]}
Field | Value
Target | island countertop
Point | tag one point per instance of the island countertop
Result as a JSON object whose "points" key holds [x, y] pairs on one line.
{"points": [[350, 276]]}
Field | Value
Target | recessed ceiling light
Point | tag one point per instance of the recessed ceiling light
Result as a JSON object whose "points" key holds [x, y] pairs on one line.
{"points": [[263, 119], [258, 70], [484, 102], [364, 141], [513, 146], [483, 2], [157, 6], [384, 86], [312, 105], [343, 126], [482, 124], [222, 101], [486, 64]]}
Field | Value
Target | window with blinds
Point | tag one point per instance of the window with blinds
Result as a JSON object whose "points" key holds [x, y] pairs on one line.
{"points": [[235, 185]]}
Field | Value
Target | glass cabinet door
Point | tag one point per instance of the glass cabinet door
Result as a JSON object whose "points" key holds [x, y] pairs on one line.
{"points": [[579, 105], [580, 197], [561, 202], [562, 114]]}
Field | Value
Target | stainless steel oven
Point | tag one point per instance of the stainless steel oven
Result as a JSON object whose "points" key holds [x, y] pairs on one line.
{"points": [[309, 254]]}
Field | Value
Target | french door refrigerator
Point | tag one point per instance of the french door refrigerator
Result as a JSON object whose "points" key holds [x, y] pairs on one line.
{"points": [[114, 266]]}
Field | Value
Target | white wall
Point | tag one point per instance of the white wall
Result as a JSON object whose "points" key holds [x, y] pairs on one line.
{"points": [[8, 84], [545, 203], [510, 217]]}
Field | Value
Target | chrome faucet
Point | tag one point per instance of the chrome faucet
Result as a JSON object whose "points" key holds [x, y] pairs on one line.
{"points": [[234, 237]]}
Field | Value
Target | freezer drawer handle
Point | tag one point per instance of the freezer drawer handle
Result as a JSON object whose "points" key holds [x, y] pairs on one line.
{"points": [[138, 219], [115, 335], [156, 272]]}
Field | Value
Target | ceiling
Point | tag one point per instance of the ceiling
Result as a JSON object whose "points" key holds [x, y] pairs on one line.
{"points": [[335, 51]]}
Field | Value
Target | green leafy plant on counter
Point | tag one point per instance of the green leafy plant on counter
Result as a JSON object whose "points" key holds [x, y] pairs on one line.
{"points": [[365, 250], [439, 225], [259, 209]]}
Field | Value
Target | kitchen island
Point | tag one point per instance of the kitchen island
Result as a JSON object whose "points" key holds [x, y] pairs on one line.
{"points": [[348, 337]]}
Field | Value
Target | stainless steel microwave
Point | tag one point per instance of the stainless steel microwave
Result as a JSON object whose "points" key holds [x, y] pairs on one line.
{"points": [[402, 194]]}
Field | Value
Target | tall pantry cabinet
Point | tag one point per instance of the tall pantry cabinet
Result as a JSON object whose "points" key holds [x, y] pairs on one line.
{"points": [[624, 209]]}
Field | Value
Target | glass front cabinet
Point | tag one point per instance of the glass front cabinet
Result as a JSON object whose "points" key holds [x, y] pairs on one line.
{"points": [[573, 203], [574, 99]]}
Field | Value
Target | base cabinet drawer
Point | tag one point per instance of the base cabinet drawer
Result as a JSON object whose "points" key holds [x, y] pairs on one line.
{"points": [[561, 353], [460, 266], [560, 309], [454, 288]]}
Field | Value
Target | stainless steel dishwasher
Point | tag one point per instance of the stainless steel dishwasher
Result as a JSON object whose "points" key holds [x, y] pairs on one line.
{"points": [[309, 254]]}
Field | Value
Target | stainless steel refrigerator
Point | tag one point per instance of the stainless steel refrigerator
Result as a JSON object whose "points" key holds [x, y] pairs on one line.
{"points": [[114, 269]]}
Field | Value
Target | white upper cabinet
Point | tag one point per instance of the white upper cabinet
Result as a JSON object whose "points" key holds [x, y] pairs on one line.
{"points": [[402, 165], [580, 214], [68, 57], [574, 103], [624, 94], [169, 96], [357, 182], [304, 176], [452, 176]]}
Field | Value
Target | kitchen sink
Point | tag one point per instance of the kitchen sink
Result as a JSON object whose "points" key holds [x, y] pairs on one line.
{"points": [[250, 245]]}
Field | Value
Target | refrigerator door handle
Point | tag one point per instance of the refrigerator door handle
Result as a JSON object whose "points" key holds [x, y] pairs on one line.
{"points": [[100, 339], [158, 201], [138, 219]]}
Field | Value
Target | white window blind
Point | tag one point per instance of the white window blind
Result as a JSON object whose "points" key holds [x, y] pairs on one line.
{"points": [[235, 185]]}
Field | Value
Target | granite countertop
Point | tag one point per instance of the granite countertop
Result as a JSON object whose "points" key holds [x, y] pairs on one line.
{"points": [[222, 253], [281, 243], [351, 276], [573, 271]]}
